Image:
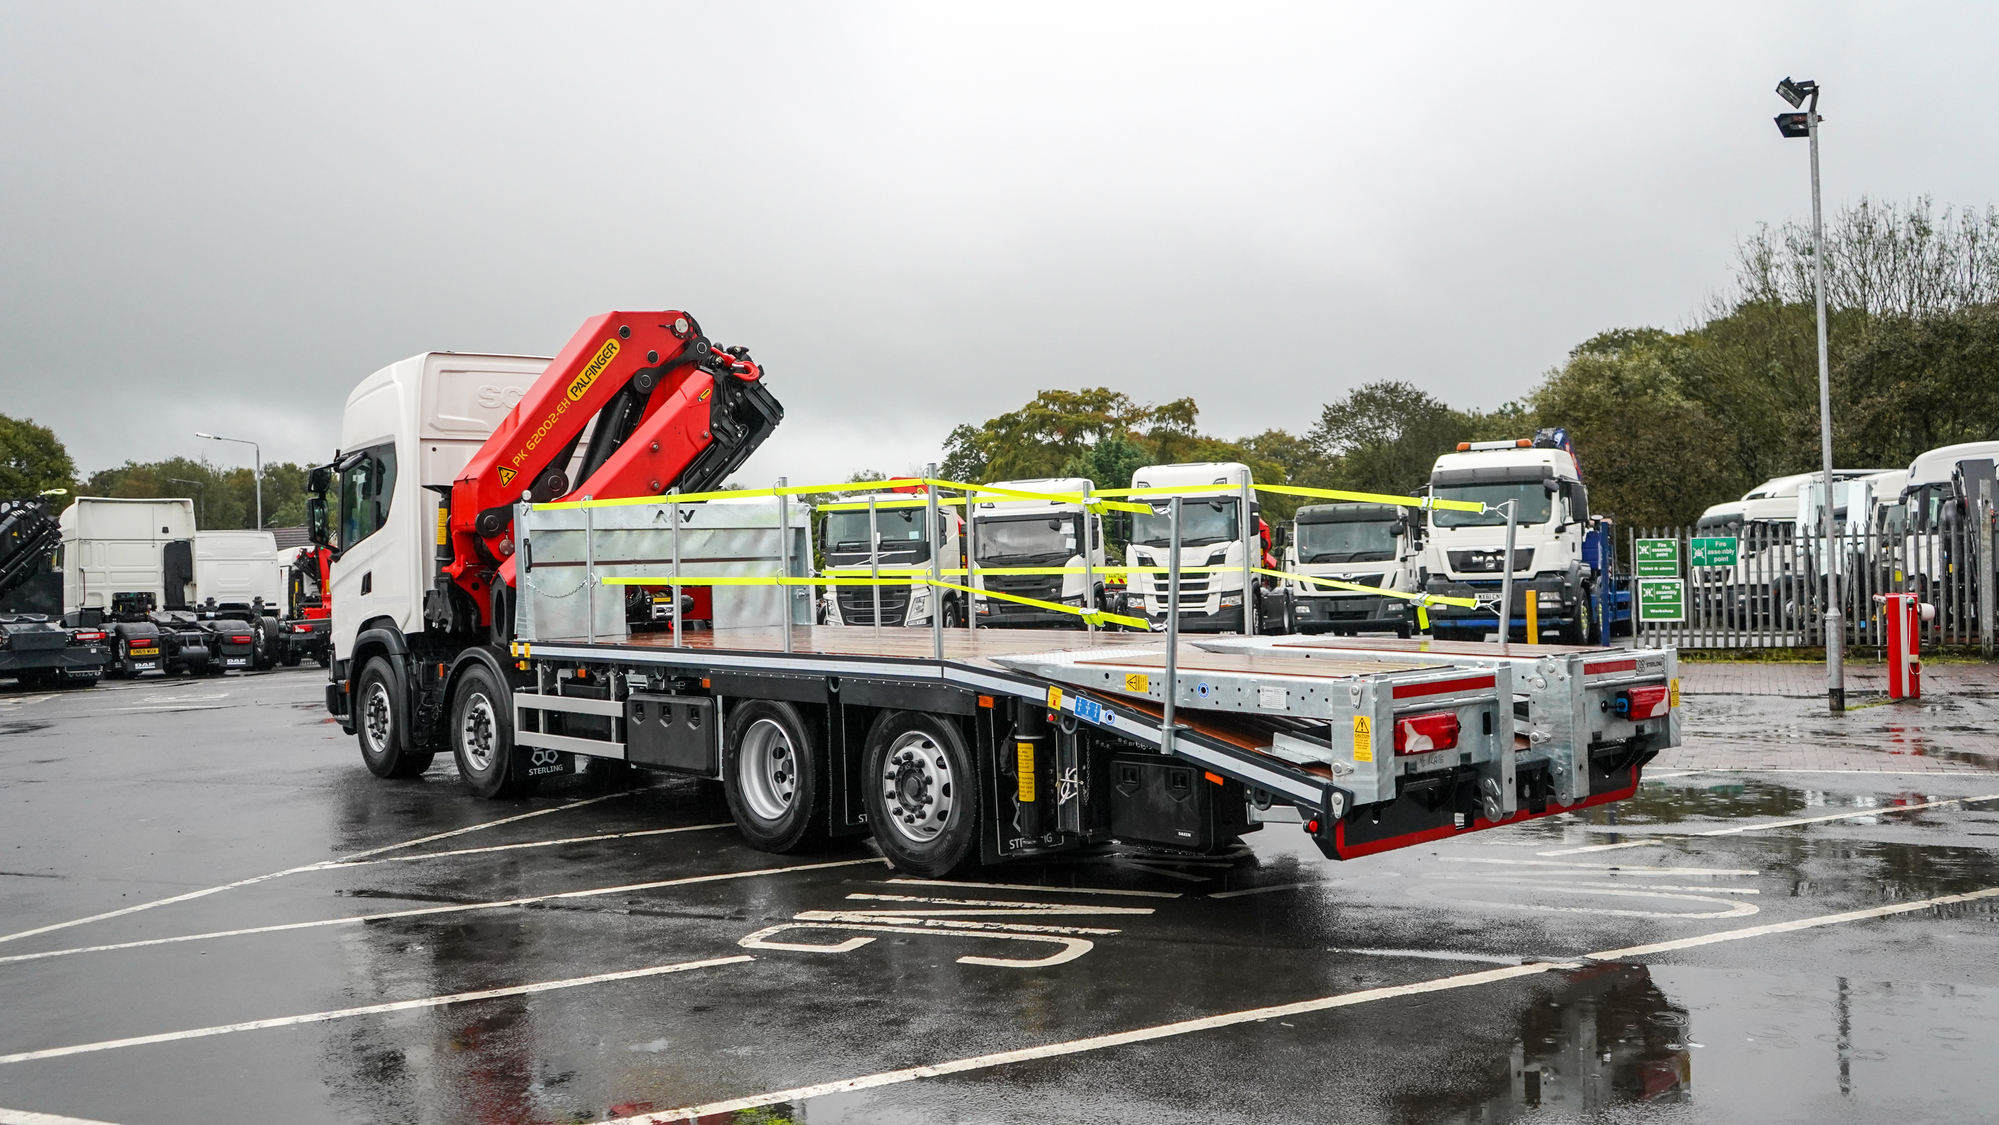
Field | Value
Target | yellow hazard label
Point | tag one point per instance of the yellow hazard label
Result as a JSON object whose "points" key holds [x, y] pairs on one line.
{"points": [[507, 476], [1673, 692], [444, 520], [1137, 683], [1023, 760], [580, 385], [1363, 739], [1054, 699]]}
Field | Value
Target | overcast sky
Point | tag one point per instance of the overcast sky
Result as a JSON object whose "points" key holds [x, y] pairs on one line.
{"points": [[223, 217]]}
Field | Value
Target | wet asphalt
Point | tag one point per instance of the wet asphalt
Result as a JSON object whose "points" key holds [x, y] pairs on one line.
{"points": [[1447, 983]]}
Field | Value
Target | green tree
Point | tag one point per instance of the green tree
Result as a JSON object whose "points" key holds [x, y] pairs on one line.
{"points": [[32, 460], [1385, 437], [223, 498]]}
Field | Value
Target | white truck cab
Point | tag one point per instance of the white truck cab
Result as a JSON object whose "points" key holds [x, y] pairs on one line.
{"points": [[1017, 533], [899, 527], [1378, 545], [113, 546], [1216, 535], [407, 429], [237, 568], [1465, 553], [1935, 496]]}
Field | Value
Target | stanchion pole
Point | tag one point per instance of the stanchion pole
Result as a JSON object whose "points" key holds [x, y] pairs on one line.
{"points": [[1172, 623], [673, 498], [784, 559], [1092, 534], [589, 571], [874, 562], [935, 532]]}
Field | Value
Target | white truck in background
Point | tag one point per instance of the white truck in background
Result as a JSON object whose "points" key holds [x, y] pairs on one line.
{"points": [[899, 523], [1018, 533], [1217, 536], [1377, 545], [1937, 496], [1563, 555]]}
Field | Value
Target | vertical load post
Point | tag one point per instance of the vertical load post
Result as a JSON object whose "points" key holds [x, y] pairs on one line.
{"points": [[673, 498], [784, 560], [1172, 623], [1252, 557], [1506, 578], [589, 571], [971, 563], [1091, 533], [936, 534]]}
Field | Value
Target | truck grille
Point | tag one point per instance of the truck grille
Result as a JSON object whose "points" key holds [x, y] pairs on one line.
{"points": [[1473, 562], [857, 605], [1044, 587]]}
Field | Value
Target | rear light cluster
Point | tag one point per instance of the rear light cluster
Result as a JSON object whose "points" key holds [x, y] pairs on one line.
{"points": [[1420, 734], [301, 628], [241, 640], [1641, 703], [88, 636]]}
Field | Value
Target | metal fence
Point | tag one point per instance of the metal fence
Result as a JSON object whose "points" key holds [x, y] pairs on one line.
{"points": [[1774, 594]]}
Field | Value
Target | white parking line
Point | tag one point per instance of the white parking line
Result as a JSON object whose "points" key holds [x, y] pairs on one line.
{"points": [[1079, 1046], [27, 1117], [1185, 1027], [1599, 866], [357, 919], [1787, 927], [373, 1009], [1728, 909], [1741, 828], [1269, 889], [205, 891], [339, 865], [960, 885]]}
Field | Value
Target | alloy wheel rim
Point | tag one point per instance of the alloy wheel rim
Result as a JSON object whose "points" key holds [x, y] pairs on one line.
{"points": [[767, 765], [475, 732], [376, 718], [917, 787]]}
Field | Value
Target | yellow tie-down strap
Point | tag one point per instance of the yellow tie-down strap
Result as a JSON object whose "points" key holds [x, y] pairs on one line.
{"points": [[1094, 617]]}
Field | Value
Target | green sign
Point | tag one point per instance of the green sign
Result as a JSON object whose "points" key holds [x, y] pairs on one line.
{"points": [[1662, 599], [1711, 552], [1658, 557]]}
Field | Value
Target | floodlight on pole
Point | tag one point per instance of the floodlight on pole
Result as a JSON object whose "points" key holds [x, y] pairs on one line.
{"points": [[258, 452], [1805, 94]]}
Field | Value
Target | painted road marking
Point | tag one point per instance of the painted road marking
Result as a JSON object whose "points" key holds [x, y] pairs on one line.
{"points": [[1272, 887], [1728, 909], [1185, 1027], [373, 1009], [357, 919], [341, 865], [1787, 927], [1739, 829], [1030, 887], [1079, 1046], [26, 1117], [1533, 880], [205, 891], [1071, 947], [1599, 866]]}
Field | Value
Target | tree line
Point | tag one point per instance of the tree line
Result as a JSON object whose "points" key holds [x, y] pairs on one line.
{"points": [[1665, 423], [34, 462]]}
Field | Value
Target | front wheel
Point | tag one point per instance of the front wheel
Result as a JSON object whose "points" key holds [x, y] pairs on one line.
{"points": [[771, 773], [482, 736], [381, 723], [920, 792]]}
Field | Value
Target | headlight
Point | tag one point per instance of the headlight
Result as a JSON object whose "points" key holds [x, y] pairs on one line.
{"points": [[1231, 600]]}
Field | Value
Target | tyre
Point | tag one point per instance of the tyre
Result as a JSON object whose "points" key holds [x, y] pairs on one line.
{"points": [[290, 658], [381, 723], [482, 736], [772, 772], [921, 793], [954, 617], [1403, 631], [1577, 631], [325, 658], [263, 632]]}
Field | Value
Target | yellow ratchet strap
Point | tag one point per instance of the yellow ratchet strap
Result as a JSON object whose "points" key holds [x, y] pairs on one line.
{"points": [[1420, 599]]}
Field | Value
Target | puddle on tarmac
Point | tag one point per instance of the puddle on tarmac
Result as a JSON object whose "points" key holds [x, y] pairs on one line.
{"points": [[1768, 1048]]}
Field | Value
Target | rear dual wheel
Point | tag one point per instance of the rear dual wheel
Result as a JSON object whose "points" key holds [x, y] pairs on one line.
{"points": [[920, 788]]}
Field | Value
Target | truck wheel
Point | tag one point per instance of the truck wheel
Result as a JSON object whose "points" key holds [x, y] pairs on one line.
{"points": [[381, 722], [953, 617], [921, 794], [290, 658], [771, 774], [482, 736], [263, 640], [1577, 631]]}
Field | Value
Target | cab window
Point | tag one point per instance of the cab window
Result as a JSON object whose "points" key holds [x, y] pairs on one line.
{"points": [[367, 485]]}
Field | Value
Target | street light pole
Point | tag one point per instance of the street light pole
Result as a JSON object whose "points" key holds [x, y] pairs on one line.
{"points": [[1835, 622], [257, 452]]}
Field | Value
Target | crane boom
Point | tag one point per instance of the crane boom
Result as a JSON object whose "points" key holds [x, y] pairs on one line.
{"points": [[670, 408]]}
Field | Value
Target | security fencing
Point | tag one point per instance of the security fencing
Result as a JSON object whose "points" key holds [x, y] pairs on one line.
{"points": [[1770, 590]]}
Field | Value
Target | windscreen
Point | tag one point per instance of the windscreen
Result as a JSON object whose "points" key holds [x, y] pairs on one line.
{"points": [[848, 530], [1201, 521], [1535, 503], [1346, 542], [1026, 537]]}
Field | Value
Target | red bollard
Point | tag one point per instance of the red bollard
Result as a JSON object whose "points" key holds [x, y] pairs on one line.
{"points": [[1905, 666]]}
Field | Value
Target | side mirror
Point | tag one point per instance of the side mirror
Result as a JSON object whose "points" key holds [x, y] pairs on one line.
{"points": [[315, 521], [1398, 528], [319, 479], [1551, 486]]}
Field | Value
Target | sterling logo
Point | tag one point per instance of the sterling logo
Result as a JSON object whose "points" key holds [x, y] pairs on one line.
{"points": [[581, 384]]}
